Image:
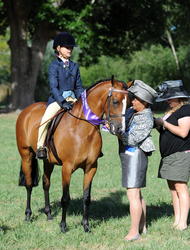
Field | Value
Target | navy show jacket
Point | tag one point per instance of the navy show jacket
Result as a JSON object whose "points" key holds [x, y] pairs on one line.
{"points": [[63, 79]]}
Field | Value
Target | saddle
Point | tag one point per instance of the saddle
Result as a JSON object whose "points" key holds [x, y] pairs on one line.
{"points": [[49, 141]]}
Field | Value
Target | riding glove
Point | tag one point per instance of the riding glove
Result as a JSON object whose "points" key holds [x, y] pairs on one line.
{"points": [[67, 105]]}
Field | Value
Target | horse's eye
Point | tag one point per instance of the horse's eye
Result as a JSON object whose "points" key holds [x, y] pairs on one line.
{"points": [[115, 102]]}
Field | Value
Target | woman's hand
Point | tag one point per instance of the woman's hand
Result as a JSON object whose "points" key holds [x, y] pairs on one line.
{"points": [[158, 122], [107, 126]]}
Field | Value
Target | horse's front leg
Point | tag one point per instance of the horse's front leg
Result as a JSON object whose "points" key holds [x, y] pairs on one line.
{"points": [[88, 177], [28, 211], [66, 177], [48, 169]]}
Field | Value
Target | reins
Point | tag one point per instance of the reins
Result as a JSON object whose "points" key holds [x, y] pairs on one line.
{"points": [[108, 100], [108, 116], [82, 119]]}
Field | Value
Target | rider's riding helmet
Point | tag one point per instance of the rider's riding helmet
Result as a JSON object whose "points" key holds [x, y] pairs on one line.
{"points": [[64, 39]]}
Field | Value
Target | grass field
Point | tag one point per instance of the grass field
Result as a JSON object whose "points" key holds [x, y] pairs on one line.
{"points": [[109, 214]]}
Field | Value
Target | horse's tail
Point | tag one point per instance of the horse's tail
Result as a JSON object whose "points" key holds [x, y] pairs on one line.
{"points": [[35, 174]]}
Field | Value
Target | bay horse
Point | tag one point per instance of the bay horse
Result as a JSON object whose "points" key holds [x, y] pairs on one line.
{"points": [[77, 140]]}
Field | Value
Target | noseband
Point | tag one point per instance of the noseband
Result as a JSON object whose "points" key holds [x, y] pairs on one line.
{"points": [[111, 90]]}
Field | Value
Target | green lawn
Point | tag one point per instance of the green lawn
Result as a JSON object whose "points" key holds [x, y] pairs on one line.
{"points": [[109, 214]]}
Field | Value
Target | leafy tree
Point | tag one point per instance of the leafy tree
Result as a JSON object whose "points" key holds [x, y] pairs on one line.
{"points": [[32, 25], [4, 60], [104, 69], [177, 16], [101, 28], [155, 64]]}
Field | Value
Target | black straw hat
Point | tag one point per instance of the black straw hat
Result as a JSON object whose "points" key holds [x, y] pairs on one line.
{"points": [[170, 90]]}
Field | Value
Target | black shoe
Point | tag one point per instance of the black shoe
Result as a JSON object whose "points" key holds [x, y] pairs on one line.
{"points": [[41, 153]]}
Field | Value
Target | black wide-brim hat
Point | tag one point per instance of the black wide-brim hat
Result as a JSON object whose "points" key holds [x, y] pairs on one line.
{"points": [[171, 90]]}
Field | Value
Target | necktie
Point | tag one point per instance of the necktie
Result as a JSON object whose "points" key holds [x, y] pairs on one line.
{"points": [[66, 64]]}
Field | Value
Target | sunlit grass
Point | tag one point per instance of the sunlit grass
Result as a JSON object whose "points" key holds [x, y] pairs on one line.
{"points": [[109, 213]]}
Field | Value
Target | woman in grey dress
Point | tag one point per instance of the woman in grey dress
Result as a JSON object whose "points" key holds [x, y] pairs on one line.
{"points": [[135, 144]]}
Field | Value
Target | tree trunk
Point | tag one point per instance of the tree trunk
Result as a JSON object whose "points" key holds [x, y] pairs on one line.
{"points": [[26, 53], [25, 63]]}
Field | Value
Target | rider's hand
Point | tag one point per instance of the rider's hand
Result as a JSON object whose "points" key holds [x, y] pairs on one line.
{"points": [[67, 105]]}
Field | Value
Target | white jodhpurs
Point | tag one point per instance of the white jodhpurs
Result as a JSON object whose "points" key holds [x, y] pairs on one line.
{"points": [[51, 110]]}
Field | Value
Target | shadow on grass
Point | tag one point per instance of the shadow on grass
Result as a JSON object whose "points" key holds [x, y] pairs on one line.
{"points": [[5, 228], [155, 212], [112, 206], [102, 209]]}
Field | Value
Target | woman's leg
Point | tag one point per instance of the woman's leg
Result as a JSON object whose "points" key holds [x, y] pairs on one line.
{"points": [[175, 201], [135, 212], [184, 203], [181, 203], [142, 226]]}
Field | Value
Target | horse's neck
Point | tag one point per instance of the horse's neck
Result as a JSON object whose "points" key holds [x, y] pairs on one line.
{"points": [[96, 100]]}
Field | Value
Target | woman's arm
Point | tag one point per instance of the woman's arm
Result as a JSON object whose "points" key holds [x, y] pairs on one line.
{"points": [[139, 129], [182, 129]]}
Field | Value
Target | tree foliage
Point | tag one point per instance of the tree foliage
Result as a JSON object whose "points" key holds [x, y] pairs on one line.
{"points": [[177, 16], [114, 28], [4, 60]]}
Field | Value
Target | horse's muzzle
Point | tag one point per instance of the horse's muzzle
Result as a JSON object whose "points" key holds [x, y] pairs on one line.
{"points": [[114, 128]]}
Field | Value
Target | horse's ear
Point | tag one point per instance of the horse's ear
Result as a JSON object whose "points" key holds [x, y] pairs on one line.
{"points": [[129, 84], [112, 80]]}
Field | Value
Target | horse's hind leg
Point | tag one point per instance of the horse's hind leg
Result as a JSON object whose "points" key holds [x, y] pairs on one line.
{"points": [[48, 169], [88, 177], [66, 177], [29, 177]]}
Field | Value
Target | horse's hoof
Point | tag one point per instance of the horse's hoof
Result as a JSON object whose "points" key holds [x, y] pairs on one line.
{"points": [[49, 217], [87, 229], [27, 219], [63, 228]]}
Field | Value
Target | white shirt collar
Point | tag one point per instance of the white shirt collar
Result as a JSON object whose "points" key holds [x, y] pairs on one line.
{"points": [[63, 59]]}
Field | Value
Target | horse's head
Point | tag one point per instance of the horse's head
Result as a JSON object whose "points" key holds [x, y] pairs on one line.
{"points": [[108, 99], [117, 103]]}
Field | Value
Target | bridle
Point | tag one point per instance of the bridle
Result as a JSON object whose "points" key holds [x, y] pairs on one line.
{"points": [[108, 115], [99, 121]]}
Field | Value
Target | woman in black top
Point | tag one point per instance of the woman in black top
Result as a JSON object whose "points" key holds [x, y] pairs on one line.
{"points": [[174, 130]]}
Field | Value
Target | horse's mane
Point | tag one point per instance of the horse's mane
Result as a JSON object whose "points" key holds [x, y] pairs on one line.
{"points": [[106, 80]]}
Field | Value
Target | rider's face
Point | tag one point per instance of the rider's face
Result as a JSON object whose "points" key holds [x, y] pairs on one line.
{"points": [[65, 52]]}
